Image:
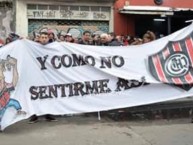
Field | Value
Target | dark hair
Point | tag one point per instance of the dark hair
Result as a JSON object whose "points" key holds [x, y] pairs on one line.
{"points": [[43, 33], [8, 40], [86, 32]]}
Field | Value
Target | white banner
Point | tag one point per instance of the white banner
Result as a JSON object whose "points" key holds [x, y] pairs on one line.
{"points": [[65, 78]]}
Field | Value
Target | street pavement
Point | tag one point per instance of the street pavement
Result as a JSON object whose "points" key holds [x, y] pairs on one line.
{"points": [[81, 130]]}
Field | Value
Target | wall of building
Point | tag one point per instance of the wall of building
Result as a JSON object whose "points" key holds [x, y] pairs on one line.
{"points": [[6, 19], [169, 3], [124, 24], [35, 19]]}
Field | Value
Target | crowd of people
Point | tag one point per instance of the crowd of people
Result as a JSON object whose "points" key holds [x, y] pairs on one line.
{"points": [[104, 39]]}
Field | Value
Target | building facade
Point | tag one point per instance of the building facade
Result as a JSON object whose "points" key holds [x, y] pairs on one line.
{"points": [[64, 16], [135, 17], [127, 17], [6, 18]]}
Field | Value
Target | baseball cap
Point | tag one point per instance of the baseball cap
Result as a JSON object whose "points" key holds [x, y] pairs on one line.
{"points": [[69, 34]]}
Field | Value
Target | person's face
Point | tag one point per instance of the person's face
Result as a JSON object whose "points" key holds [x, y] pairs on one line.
{"points": [[110, 38], [62, 38], [96, 37], [68, 38], [51, 36], [2, 83], [146, 40], [104, 39], [44, 39], [87, 36]]}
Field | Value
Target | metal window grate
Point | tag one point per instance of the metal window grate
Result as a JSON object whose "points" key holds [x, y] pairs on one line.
{"points": [[74, 8], [42, 7], [63, 7], [31, 7], [54, 7], [105, 9], [95, 8], [84, 8]]}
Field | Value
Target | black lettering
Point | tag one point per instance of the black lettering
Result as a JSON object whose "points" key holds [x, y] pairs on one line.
{"points": [[78, 89], [121, 61], [122, 84], [42, 92], [42, 61], [104, 86], [91, 62], [53, 91], [34, 93], [63, 92], [91, 89], [70, 86], [53, 62], [66, 61], [105, 61], [78, 60]]}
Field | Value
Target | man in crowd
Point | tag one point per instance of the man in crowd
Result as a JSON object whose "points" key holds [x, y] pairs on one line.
{"points": [[44, 39], [104, 41], [86, 38], [112, 40]]}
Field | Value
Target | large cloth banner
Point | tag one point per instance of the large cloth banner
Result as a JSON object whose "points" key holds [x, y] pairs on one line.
{"points": [[64, 78]]}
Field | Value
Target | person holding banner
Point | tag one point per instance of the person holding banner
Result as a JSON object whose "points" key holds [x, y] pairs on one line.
{"points": [[86, 38], [43, 39]]}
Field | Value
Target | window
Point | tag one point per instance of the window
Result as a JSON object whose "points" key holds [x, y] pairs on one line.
{"points": [[63, 7], [105, 9], [54, 7], [31, 7], [84, 8], [95, 8], [74, 8], [42, 7]]}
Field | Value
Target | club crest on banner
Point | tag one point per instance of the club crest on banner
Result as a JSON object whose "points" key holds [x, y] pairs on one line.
{"points": [[174, 63]]}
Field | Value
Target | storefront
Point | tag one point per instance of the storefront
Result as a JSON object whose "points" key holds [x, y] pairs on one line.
{"points": [[161, 16], [64, 16]]}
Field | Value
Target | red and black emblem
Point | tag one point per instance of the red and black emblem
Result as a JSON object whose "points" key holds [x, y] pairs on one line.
{"points": [[174, 64]]}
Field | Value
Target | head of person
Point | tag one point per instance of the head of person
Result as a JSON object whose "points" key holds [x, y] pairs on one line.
{"points": [[111, 36], [148, 37], [104, 38], [36, 38], [51, 35], [96, 37], [86, 35], [44, 39], [119, 38], [8, 40], [69, 38], [62, 38]]}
